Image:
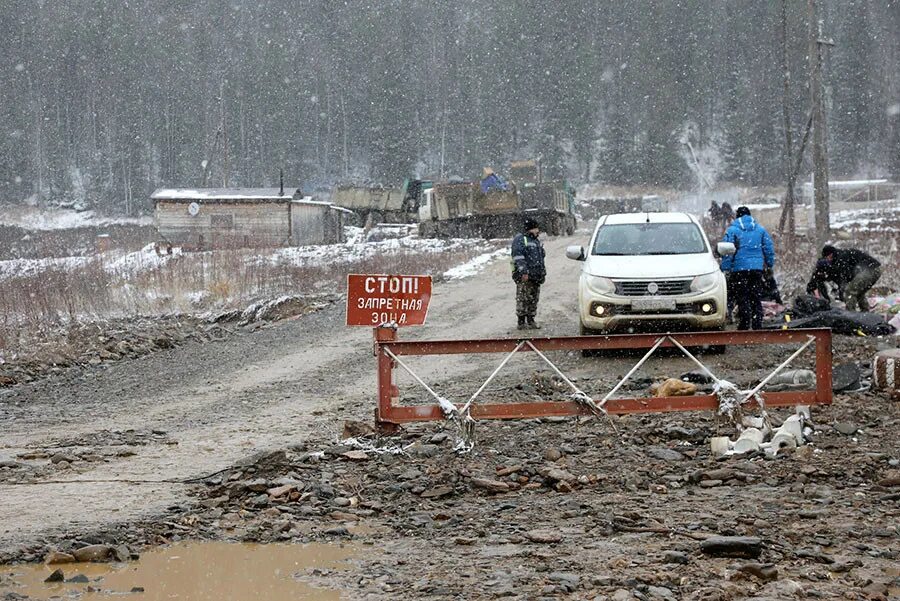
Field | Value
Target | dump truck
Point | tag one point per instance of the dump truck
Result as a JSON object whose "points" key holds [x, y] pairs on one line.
{"points": [[376, 203], [462, 210]]}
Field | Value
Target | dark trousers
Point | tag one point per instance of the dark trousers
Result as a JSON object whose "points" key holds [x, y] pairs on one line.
{"points": [[748, 287], [855, 290], [527, 296]]}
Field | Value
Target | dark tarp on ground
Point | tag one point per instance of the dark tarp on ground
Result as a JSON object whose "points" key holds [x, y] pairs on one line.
{"points": [[807, 304], [845, 377], [840, 322]]}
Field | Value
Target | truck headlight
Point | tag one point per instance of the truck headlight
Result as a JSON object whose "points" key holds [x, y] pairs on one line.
{"points": [[704, 282], [601, 284]]}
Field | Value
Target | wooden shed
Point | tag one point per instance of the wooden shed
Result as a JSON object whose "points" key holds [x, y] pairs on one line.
{"points": [[204, 218]]}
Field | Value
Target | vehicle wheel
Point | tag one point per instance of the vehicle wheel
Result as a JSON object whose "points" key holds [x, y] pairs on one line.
{"points": [[583, 331]]}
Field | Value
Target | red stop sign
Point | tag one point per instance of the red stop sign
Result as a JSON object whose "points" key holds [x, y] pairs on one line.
{"points": [[376, 300]]}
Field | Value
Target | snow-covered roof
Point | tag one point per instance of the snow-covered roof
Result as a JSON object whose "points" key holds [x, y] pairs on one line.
{"points": [[307, 200], [851, 183], [224, 194]]}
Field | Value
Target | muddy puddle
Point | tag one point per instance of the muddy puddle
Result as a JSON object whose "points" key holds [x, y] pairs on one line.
{"points": [[196, 571]]}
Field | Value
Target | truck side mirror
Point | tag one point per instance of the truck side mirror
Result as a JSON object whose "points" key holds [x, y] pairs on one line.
{"points": [[576, 253], [725, 249]]}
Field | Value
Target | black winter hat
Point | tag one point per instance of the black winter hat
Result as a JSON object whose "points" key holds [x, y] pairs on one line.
{"points": [[828, 250], [531, 224], [742, 211]]}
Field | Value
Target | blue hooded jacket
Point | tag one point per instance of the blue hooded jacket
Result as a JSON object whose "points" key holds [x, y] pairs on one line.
{"points": [[754, 247]]}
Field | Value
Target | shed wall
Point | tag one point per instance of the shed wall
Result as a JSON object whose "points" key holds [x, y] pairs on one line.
{"points": [[316, 224], [222, 225]]}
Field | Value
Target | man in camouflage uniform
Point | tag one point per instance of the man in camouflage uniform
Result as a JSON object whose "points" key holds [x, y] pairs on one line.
{"points": [[529, 273]]}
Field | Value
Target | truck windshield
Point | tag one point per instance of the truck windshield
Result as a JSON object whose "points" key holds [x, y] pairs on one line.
{"points": [[649, 239]]}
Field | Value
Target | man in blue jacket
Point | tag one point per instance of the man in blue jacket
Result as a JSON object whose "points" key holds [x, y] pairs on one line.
{"points": [[529, 272], [753, 257]]}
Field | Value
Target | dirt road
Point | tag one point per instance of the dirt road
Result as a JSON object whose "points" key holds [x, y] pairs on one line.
{"points": [[198, 408], [539, 509]]}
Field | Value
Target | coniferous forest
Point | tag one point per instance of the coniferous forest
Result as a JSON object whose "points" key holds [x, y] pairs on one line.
{"points": [[104, 100]]}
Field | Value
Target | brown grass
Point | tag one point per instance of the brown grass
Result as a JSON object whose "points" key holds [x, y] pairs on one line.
{"points": [[192, 283]]}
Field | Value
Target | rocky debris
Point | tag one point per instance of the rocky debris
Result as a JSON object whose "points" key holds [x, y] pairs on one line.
{"points": [[55, 557], [732, 546], [664, 454], [493, 486], [676, 557], [84, 344], [56, 576], [846, 428], [765, 572], [357, 429], [282, 308], [95, 553], [78, 579], [543, 536], [437, 492], [624, 511]]}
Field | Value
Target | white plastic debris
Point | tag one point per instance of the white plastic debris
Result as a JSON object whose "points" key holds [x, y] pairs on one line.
{"points": [[790, 435]]}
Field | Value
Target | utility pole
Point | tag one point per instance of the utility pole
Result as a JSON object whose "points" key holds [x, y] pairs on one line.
{"points": [[787, 213], [820, 148]]}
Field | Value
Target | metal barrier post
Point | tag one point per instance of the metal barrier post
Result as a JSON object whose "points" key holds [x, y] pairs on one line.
{"points": [[387, 391]]}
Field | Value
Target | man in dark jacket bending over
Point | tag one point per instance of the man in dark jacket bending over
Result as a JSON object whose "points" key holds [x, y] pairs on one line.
{"points": [[529, 273], [854, 272]]}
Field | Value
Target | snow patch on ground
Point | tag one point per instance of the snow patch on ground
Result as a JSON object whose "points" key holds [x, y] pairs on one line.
{"points": [[878, 218], [141, 260], [475, 265], [386, 241], [33, 218]]}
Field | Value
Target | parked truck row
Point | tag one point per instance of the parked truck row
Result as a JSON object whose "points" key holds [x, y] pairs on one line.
{"points": [[468, 209]]}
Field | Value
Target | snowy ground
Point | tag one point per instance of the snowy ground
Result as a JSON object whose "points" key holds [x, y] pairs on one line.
{"points": [[33, 218], [382, 241], [868, 219]]}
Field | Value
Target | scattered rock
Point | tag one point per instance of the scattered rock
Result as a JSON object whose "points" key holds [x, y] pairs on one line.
{"points": [[765, 572], [357, 429], [846, 428], [437, 492], [664, 454], [555, 475], [355, 455], [676, 557], [78, 579], [552, 454], [60, 457], [121, 553], [280, 491], [732, 546], [337, 531], [257, 485], [98, 553], [56, 576], [543, 536], [55, 557], [494, 486]]}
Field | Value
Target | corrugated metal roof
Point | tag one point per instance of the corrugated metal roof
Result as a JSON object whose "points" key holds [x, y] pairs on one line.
{"points": [[224, 194]]}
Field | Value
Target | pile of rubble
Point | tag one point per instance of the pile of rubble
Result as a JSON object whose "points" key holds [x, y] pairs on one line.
{"points": [[94, 343]]}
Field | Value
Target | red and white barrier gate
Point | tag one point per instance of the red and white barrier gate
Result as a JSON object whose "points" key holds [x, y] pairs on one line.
{"points": [[389, 352]]}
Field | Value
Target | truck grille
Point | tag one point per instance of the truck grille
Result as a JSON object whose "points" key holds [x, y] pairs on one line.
{"points": [[664, 287]]}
